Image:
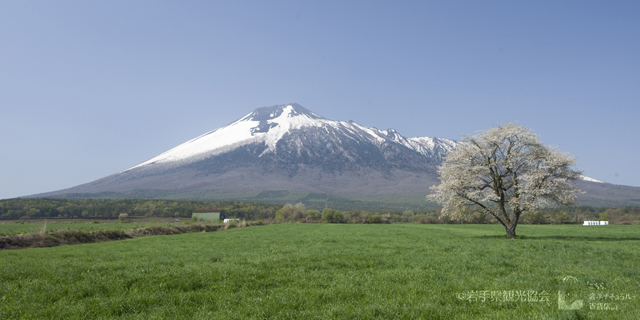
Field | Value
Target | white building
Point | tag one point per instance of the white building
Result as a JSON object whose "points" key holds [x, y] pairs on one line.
{"points": [[596, 223]]}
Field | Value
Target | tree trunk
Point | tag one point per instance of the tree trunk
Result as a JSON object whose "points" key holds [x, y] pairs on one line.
{"points": [[511, 230]]}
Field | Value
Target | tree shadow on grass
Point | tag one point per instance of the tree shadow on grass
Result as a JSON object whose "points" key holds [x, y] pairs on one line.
{"points": [[560, 237]]}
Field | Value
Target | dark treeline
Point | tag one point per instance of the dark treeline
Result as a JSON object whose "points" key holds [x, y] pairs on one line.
{"points": [[572, 215], [104, 208], [562, 215], [578, 214]]}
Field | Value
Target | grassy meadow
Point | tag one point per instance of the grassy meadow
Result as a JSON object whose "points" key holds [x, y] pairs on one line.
{"points": [[14, 227], [334, 271]]}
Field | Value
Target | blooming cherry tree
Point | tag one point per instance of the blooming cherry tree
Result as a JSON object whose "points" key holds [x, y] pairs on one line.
{"points": [[504, 172]]}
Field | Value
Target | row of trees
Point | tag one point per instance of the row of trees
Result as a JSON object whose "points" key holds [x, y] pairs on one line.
{"points": [[568, 215], [298, 213], [560, 215], [103, 208], [95, 208]]}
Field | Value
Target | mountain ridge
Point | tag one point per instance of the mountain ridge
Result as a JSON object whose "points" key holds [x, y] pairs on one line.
{"points": [[289, 148], [269, 125]]}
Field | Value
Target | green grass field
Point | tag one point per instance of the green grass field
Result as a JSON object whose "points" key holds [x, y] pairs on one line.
{"points": [[8, 228], [341, 271]]}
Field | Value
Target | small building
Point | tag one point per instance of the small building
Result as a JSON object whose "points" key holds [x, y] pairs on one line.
{"points": [[596, 223], [211, 215]]}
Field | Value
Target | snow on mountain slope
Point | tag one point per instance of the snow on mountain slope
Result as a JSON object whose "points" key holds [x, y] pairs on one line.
{"points": [[425, 145], [585, 178], [269, 125], [251, 128]]}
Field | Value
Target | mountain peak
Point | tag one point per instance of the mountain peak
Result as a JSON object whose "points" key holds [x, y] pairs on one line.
{"points": [[273, 112], [264, 125], [296, 129]]}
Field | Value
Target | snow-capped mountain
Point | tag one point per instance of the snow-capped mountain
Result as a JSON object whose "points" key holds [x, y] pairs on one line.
{"points": [[289, 149], [294, 135]]}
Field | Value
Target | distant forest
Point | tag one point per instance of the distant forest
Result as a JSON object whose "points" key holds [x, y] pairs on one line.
{"points": [[38, 208], [106, 208], [578, 214]]}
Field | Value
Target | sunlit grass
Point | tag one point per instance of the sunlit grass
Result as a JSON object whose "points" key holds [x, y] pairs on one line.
{"points": [[8, 228], [320, 271]]}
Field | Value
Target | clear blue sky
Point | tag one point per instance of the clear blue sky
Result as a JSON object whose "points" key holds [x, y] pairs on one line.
{"points": [[89, 88]]}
